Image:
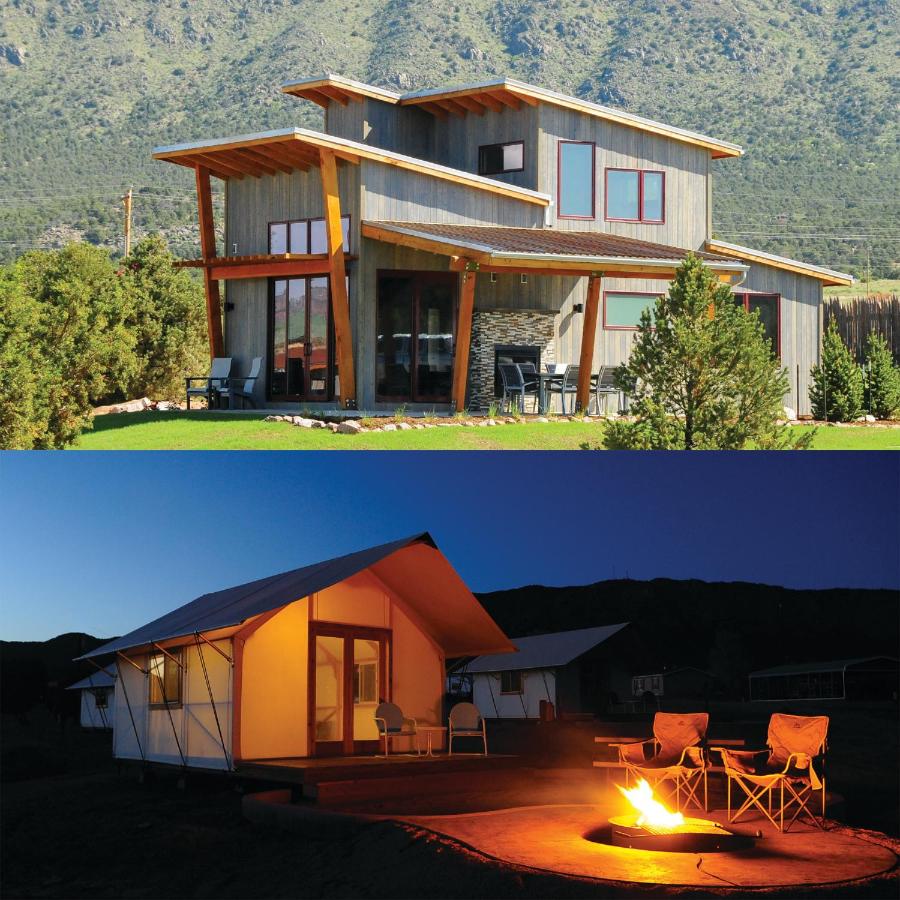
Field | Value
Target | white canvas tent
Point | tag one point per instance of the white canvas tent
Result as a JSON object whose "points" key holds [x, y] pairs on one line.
{"points": [[293, 665], [543, 668], [98, 704]]}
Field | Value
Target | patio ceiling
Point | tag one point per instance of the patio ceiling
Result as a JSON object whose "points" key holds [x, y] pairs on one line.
{"points": [[544, 250]]}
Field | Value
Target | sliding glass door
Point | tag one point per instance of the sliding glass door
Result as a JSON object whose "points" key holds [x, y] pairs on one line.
{"points": [[300, 337], [416, 323]]}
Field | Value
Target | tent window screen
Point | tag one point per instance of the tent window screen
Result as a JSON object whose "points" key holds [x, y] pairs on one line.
{"points": [[165, 679], [576, 180], [511, 682], [101, 699], [622, 310], [365, 682]]}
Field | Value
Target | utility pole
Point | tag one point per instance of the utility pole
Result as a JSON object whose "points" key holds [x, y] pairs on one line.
{"points": [[868, 268], [126, 200]]}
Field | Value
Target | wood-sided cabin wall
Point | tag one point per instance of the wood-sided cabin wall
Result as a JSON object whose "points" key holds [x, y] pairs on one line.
{"points": [[686, 171], [250, 205]]}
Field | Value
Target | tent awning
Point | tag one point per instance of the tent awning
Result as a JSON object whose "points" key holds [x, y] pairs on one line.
{"points": [[412, 567]]}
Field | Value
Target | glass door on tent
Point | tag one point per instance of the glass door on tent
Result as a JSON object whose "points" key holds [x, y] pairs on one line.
{"points": [[349, 679]]}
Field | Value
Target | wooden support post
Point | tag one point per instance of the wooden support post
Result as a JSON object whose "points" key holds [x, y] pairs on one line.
{"points": [[208, 251], [340, 302], [588, 337], [463, 339]]}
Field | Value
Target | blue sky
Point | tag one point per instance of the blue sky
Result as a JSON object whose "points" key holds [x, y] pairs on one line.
{"points": [[105, 542]]}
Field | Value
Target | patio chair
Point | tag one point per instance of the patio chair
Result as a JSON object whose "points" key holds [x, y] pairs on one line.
{"points": [[676, 754], [241, 387], [466, 721], [603, 385], [794, 758], [514, 386], [218, 373], [566, 387], [391, 723], [532, 384]]}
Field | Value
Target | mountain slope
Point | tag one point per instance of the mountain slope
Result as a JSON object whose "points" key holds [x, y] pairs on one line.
{"points": [[807, 87]]}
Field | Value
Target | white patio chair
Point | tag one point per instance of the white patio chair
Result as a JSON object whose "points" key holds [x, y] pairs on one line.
{"points": [[466, 721], [217, 378], [391, 723]]}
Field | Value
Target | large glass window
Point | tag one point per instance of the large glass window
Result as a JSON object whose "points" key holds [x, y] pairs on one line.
{"points": [[495, 159], [633, 195], [415, 336], [576, 180], [304, 236], [165, 678], [767, 305], [623, 310]]}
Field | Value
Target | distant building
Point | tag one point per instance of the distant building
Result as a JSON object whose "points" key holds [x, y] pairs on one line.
{"points": [[98, 700], [684, 683], [864, 678], [579, 672]]}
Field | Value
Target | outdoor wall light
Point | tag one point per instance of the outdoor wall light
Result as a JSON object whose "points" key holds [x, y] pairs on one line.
{"points": [[578, 307], [523, 278], [493, 277]]}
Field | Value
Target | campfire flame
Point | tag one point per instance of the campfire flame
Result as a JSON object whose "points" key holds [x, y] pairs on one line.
{"points": [[652, 812]]}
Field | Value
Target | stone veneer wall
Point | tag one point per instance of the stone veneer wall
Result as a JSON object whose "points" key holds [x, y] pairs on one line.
{"points": [[492, 327]]}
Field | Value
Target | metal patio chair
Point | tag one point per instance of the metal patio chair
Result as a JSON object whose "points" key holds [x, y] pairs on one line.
{"points": [[241, 387], [566, 387], [514, 387], [676, 754], [794, 758], [218, 374], [391, 723], [466, 721], [603, 385]]}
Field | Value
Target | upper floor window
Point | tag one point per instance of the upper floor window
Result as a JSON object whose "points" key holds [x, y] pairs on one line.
{"points": [[165, 678], [576, 180], [635, 195], [304, 236], [497, 159]]}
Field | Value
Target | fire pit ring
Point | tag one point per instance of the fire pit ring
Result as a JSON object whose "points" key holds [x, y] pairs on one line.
{"points": [[692, 836]]}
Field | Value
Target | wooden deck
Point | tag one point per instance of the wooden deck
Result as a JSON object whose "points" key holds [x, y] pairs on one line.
{"points": [[352, 778]]}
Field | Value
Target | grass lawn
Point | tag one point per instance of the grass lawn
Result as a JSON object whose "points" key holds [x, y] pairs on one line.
{"points": [[211, 431]]}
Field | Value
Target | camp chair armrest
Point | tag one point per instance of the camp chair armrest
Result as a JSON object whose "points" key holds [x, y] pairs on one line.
{"points": [[633, 743], [800, 760], [692, 751], [627, 751], [731, 757]]}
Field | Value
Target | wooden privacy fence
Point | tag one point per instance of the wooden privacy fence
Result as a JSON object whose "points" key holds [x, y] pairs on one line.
{"points": [[857, 316]]}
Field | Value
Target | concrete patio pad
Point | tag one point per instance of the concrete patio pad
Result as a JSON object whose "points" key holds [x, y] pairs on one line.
{"points": [[555, 839]]}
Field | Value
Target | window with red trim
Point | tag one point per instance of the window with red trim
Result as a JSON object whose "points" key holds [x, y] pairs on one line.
{"points": [[635, 195], [576, 180], [769, 308]]}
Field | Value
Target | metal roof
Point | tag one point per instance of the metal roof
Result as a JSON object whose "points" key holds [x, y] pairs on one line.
{"points": [[834, 665], [545, 651], [826, 276], [457, 621], [589, 247], [98, 679]]}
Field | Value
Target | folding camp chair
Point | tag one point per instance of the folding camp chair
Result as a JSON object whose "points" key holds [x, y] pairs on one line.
{"points": [[794, 759], [676, 755]]}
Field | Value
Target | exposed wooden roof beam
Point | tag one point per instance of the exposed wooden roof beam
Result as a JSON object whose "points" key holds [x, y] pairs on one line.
{"points": [[248, 163], [471, 104], [316, 97], [507, 99], [525, 98], [490, 101], [334, 94], [452, 107], [434, 109], [283, 155], [263, 159], [218, 167]]}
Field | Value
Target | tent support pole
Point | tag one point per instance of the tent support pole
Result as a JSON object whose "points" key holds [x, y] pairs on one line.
{"points": [[212, 701], [128, 704], [218, 650], [174, 659], [493, 699], [130, 661], [98, 666]]}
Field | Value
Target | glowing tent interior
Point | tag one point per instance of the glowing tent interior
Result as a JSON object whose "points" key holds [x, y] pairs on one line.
{"points": [[293, 665]]}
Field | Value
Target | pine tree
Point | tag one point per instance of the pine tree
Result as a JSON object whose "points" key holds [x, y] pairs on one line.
{"points": [[836, 393], [882, 379], [702, 374]]}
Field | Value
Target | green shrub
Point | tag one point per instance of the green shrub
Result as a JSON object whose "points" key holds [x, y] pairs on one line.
{"points": [[836, 393], [882, 379]]}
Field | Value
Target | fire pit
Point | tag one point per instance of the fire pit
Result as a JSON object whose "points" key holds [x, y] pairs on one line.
{"points": [[653, 827]]}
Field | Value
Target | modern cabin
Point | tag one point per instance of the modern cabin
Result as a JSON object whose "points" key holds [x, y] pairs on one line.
{"points": [[98, 700], [294, 665], [869, 678], [581, 672], [398, 255]]}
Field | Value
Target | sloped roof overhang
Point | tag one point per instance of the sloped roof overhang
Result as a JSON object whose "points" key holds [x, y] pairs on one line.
{"points": [[412, 567], [298, 149], [828, 277], [496, 94], [497, 248]]}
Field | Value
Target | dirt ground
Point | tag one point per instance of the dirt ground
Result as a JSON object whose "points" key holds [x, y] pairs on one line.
{"points": [[88, 831]]}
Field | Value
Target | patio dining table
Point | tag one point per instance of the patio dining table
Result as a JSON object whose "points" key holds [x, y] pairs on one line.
{"points": [[546, 380]]}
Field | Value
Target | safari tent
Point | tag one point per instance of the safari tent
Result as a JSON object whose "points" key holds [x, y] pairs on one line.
{"points": [[294, 665], [98, 706]]}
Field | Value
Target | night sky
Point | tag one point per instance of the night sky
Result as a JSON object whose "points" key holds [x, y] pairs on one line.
{"points": [[105, 542]]}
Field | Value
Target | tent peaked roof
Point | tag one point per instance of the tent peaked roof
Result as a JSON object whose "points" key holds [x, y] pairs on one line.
{"points": [[412, 567], [542, 651], [99, 679]]}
